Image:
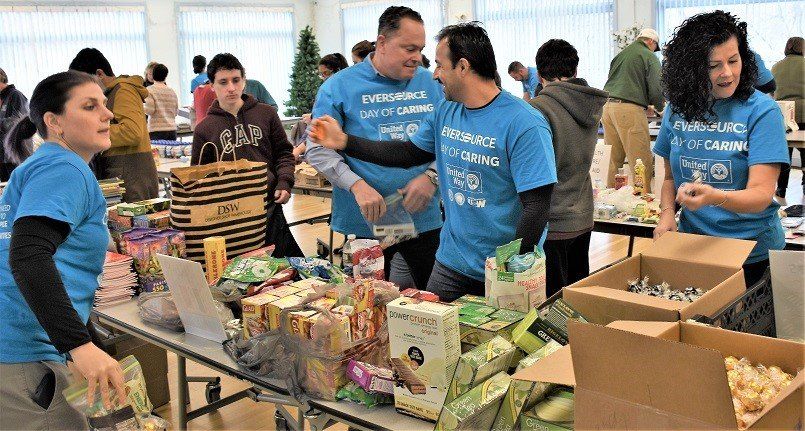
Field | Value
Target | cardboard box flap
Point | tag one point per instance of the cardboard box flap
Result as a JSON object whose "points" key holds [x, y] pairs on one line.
{"points": [[555, 368], [600, 353], [687, 247]]}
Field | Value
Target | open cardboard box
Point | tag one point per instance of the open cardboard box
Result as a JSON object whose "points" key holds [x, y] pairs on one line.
{"points": [[673, 377], [682, 260]]}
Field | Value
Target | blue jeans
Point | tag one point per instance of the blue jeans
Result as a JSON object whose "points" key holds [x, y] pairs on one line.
{"points": [[450, 285]]}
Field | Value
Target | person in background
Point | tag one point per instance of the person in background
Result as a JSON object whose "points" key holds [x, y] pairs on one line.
{"points": [[148, 74], [241, 127], [708, 77], [257, 90], [203, 98], [361, 50], [425, 62], [199, 65], [492, 150], [331, 64], [790, 76], [573, 110], [130, 157], [52, 251], [765, 78], [633, 85], [526, 76], [13, 104], [161, 106], [354, 97]]}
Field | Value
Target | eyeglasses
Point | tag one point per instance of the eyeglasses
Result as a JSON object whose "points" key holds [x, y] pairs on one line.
{"points": [[326, 74]]}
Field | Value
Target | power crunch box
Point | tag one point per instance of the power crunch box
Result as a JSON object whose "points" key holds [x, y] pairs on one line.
{"points": [[425, 347]]}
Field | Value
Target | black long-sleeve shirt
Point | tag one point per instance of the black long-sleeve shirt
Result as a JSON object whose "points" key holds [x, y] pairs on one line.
{"points": [[34, 241], [536, 202]]}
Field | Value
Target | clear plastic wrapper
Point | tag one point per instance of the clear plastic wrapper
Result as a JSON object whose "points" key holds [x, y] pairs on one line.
{"points": [[753, 387], [265, 354], [309, 267], [121, 417], [158, 308], [352, 392], [396, 225]]}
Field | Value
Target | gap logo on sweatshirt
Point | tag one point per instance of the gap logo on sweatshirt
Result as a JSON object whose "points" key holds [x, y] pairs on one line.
{"points": [[245, 134]]}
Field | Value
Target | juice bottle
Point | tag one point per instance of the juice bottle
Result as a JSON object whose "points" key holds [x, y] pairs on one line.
{"points": [[621, 179], [639, 177]]}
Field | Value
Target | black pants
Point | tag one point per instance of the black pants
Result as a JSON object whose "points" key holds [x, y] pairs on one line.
{"points": [[566, 261], [451, 285], [280, 234], [753, 272], [419, 253], [167, 135], [785, 172]]}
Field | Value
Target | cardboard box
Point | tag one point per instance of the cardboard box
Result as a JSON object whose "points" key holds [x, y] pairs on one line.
{"points": [[160, 220], [371, 378], [479, 364], [300, 323], [425, 347], [308, 283], [214, 257], [308, 176], [155, 205], [255, 316], [476, 409], [643, 398], [283, 291], [276, 308], [130, 210], [682, 260], [337, 339], [470, 299]]}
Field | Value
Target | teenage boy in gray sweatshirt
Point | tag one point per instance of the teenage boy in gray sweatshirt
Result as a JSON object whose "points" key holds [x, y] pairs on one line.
{"points": [[573, 109]]}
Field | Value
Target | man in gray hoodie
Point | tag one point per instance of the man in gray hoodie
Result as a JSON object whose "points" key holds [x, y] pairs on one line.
{"points": [[574, 110]]}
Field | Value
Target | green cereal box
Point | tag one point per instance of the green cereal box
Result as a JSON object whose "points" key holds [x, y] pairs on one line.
{"points": [[477, 365], [470, 299], [476, 310], [476, 409], [521, 395], [554, 413], [542, 352], [472, 320], [484, 330], [507, 315]]}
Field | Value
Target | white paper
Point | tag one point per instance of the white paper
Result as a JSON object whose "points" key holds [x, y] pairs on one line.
{"points": [[193, 298], [788, 287]]}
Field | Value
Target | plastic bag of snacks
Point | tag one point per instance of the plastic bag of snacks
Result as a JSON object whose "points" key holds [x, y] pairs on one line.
{"points": [[351, 391], [396, 225], [158, 308], [265, 354], [119, 417], [367, 259], [309, 267]]}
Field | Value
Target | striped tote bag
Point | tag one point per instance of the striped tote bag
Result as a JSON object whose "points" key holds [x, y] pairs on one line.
{"points": [[221, 199]]}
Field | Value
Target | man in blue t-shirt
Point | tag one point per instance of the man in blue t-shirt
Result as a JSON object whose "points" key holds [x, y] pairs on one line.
{"points": [[494, 157], [528, 77], [385, 97]]}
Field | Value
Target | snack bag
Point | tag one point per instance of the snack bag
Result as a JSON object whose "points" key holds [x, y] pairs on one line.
{"points": [[120, 417], [368, 262], [396, 225]]}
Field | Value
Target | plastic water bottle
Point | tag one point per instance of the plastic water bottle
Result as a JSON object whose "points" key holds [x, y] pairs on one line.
{"points": [[346, 255]]}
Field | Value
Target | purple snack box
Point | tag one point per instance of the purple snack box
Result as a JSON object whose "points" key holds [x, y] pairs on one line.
{"points": [[371, 378]]}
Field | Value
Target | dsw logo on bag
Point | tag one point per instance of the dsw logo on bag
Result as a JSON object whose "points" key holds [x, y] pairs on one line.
{"points": [[230, 210]]}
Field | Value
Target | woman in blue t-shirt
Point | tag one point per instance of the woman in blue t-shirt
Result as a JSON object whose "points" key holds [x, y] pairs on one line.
{"points": [[723, 141], [53, 241]]}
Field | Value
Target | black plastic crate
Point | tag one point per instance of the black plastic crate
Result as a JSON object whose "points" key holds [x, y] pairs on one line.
{"points": [[752, 312]]}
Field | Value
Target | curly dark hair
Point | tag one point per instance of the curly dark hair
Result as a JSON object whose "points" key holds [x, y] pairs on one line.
{"points": [[685, 71]]}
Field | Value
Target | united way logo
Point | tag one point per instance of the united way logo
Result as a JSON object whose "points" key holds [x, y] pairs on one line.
{"points": [[719, 171], [473, 181], [411, 129]]}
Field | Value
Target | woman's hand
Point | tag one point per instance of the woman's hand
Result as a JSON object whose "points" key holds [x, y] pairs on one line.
{"points": [[99, 369], [696, 195], [326, 132], [667, 223]]}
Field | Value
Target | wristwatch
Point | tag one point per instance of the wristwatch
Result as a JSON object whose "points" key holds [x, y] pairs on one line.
{"points": [[433, 176]]}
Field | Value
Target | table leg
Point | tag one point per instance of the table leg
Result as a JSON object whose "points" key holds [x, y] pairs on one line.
{"points": [[631, 246], [182, 390]]}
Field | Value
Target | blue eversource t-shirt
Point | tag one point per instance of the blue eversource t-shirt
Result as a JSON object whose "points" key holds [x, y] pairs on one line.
{"points": [[198, 80], [764, 75], [741, 134], [530, 84], [485, 157], [374, 107], [54, 183]]}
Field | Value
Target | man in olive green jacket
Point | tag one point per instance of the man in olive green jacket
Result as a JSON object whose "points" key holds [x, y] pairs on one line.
{"points": [[789, 73], [633, 85], [130, 157]]}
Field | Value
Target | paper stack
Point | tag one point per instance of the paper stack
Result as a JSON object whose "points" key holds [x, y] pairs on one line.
{"points": [[118, 282], [112, 190]]}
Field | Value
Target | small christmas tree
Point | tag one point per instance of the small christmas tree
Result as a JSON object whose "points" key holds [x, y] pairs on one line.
{"points": [[305, 78]]}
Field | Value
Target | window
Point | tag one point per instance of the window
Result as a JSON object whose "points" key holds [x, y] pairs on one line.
{"points": [[769, 22], [359, 22], [518, 28], [261, 38], [38, 41]]}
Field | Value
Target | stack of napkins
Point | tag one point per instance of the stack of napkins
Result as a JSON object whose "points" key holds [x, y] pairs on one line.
{"points": [[118, 282]]}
